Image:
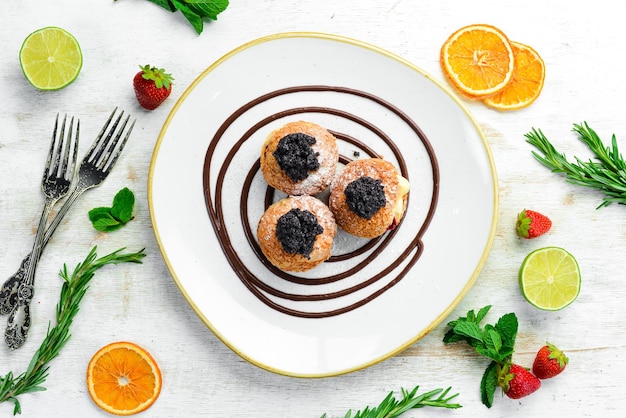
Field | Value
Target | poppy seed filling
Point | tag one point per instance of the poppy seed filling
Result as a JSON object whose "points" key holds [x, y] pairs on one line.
{"points": [[296, 230], [365, 196], [295, 156]]}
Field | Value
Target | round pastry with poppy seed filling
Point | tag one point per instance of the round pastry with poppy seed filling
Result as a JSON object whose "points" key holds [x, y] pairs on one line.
{"points": [[296, 233], [299, 158], [368, 197]]}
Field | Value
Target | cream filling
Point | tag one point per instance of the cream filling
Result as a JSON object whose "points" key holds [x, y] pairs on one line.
{"points": [[403, 189]]}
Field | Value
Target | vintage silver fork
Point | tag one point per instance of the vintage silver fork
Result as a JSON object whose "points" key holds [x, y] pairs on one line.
{"points": [[94, 169], [55, 184]]}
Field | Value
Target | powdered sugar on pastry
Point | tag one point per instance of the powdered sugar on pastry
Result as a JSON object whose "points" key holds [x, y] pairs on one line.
{"points": [[323, 149], [272, 247]]}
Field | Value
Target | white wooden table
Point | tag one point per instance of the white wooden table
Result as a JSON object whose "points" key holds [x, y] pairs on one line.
{"points": [[581, 46]]}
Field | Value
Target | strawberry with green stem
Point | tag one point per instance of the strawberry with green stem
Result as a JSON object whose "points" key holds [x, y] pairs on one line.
{"points": [[531, 224], [516, 381], [549, 362], [152, 86]]}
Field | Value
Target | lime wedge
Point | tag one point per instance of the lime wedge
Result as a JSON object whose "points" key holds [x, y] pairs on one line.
{"points": [[50, 58], [550, 278]]}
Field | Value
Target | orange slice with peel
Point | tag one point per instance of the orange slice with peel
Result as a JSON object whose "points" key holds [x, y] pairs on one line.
{"points": [[526, 83], [123, 378], [478, 60]]}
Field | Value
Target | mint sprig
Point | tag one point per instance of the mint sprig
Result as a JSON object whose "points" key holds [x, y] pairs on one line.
{"points": [[107, 219], [195, 11], [496, 342]]}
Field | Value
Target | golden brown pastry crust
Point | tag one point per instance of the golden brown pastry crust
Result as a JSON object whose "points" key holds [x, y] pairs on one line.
{"points": [[318, 180], [376, 168], [272, 247]]}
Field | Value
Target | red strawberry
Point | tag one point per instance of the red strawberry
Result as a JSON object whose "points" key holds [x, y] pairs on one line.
{"points": [[152, 86], [531, 224], [549, 362], [516, 381]]}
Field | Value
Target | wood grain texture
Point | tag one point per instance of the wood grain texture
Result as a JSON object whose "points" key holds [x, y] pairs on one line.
{"points": [[201, 376]]}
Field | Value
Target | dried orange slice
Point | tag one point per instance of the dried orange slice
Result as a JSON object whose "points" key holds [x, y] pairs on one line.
{"points": [[123, 378], [478, 60], [526, 83]]}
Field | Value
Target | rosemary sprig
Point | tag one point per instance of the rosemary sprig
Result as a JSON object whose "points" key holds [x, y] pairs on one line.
{"points": [[607, 173], [392, 408], [72, 292]]}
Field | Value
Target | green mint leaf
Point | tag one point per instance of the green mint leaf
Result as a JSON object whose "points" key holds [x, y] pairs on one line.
{"points": [[492, 339], [496, 342], [123, 204], [97, 213], [452, 324], [207, 8], [453, 337], [166, 4], [192, 17], [497, 356], [488, 385], [469, 329], [507, 328], [505, 354], [487, 352], [102, 220], [482, 313], [109, 219], [106, 224], [471, 316]]}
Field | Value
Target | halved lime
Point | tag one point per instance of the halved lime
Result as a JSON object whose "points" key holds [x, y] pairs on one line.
{"points": [[50, 58], [550, 278]]}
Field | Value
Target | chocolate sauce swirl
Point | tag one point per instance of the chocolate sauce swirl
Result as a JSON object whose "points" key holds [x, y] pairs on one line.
{"points": [[407, 256]]}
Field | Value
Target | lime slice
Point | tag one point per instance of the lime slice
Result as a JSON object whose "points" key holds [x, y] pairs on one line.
{"points": [[50, 58], [550, 278]]}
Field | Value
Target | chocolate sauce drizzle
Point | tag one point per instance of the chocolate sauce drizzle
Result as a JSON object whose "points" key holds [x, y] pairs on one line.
{"points": [[260, 289]]}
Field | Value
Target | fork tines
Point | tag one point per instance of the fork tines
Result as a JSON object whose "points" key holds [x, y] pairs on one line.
{"points": [[102, 148], [60, 168]]}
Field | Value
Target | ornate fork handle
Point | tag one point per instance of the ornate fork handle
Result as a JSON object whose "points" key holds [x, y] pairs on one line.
{"points": [[8, 293], [19, 319], [9, 290]]}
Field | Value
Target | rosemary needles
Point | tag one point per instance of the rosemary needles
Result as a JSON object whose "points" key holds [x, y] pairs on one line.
{"points": [[390, 407], [606, 173]]}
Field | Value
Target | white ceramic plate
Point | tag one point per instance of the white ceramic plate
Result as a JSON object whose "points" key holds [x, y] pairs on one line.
{"points": [[394, 109]]}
